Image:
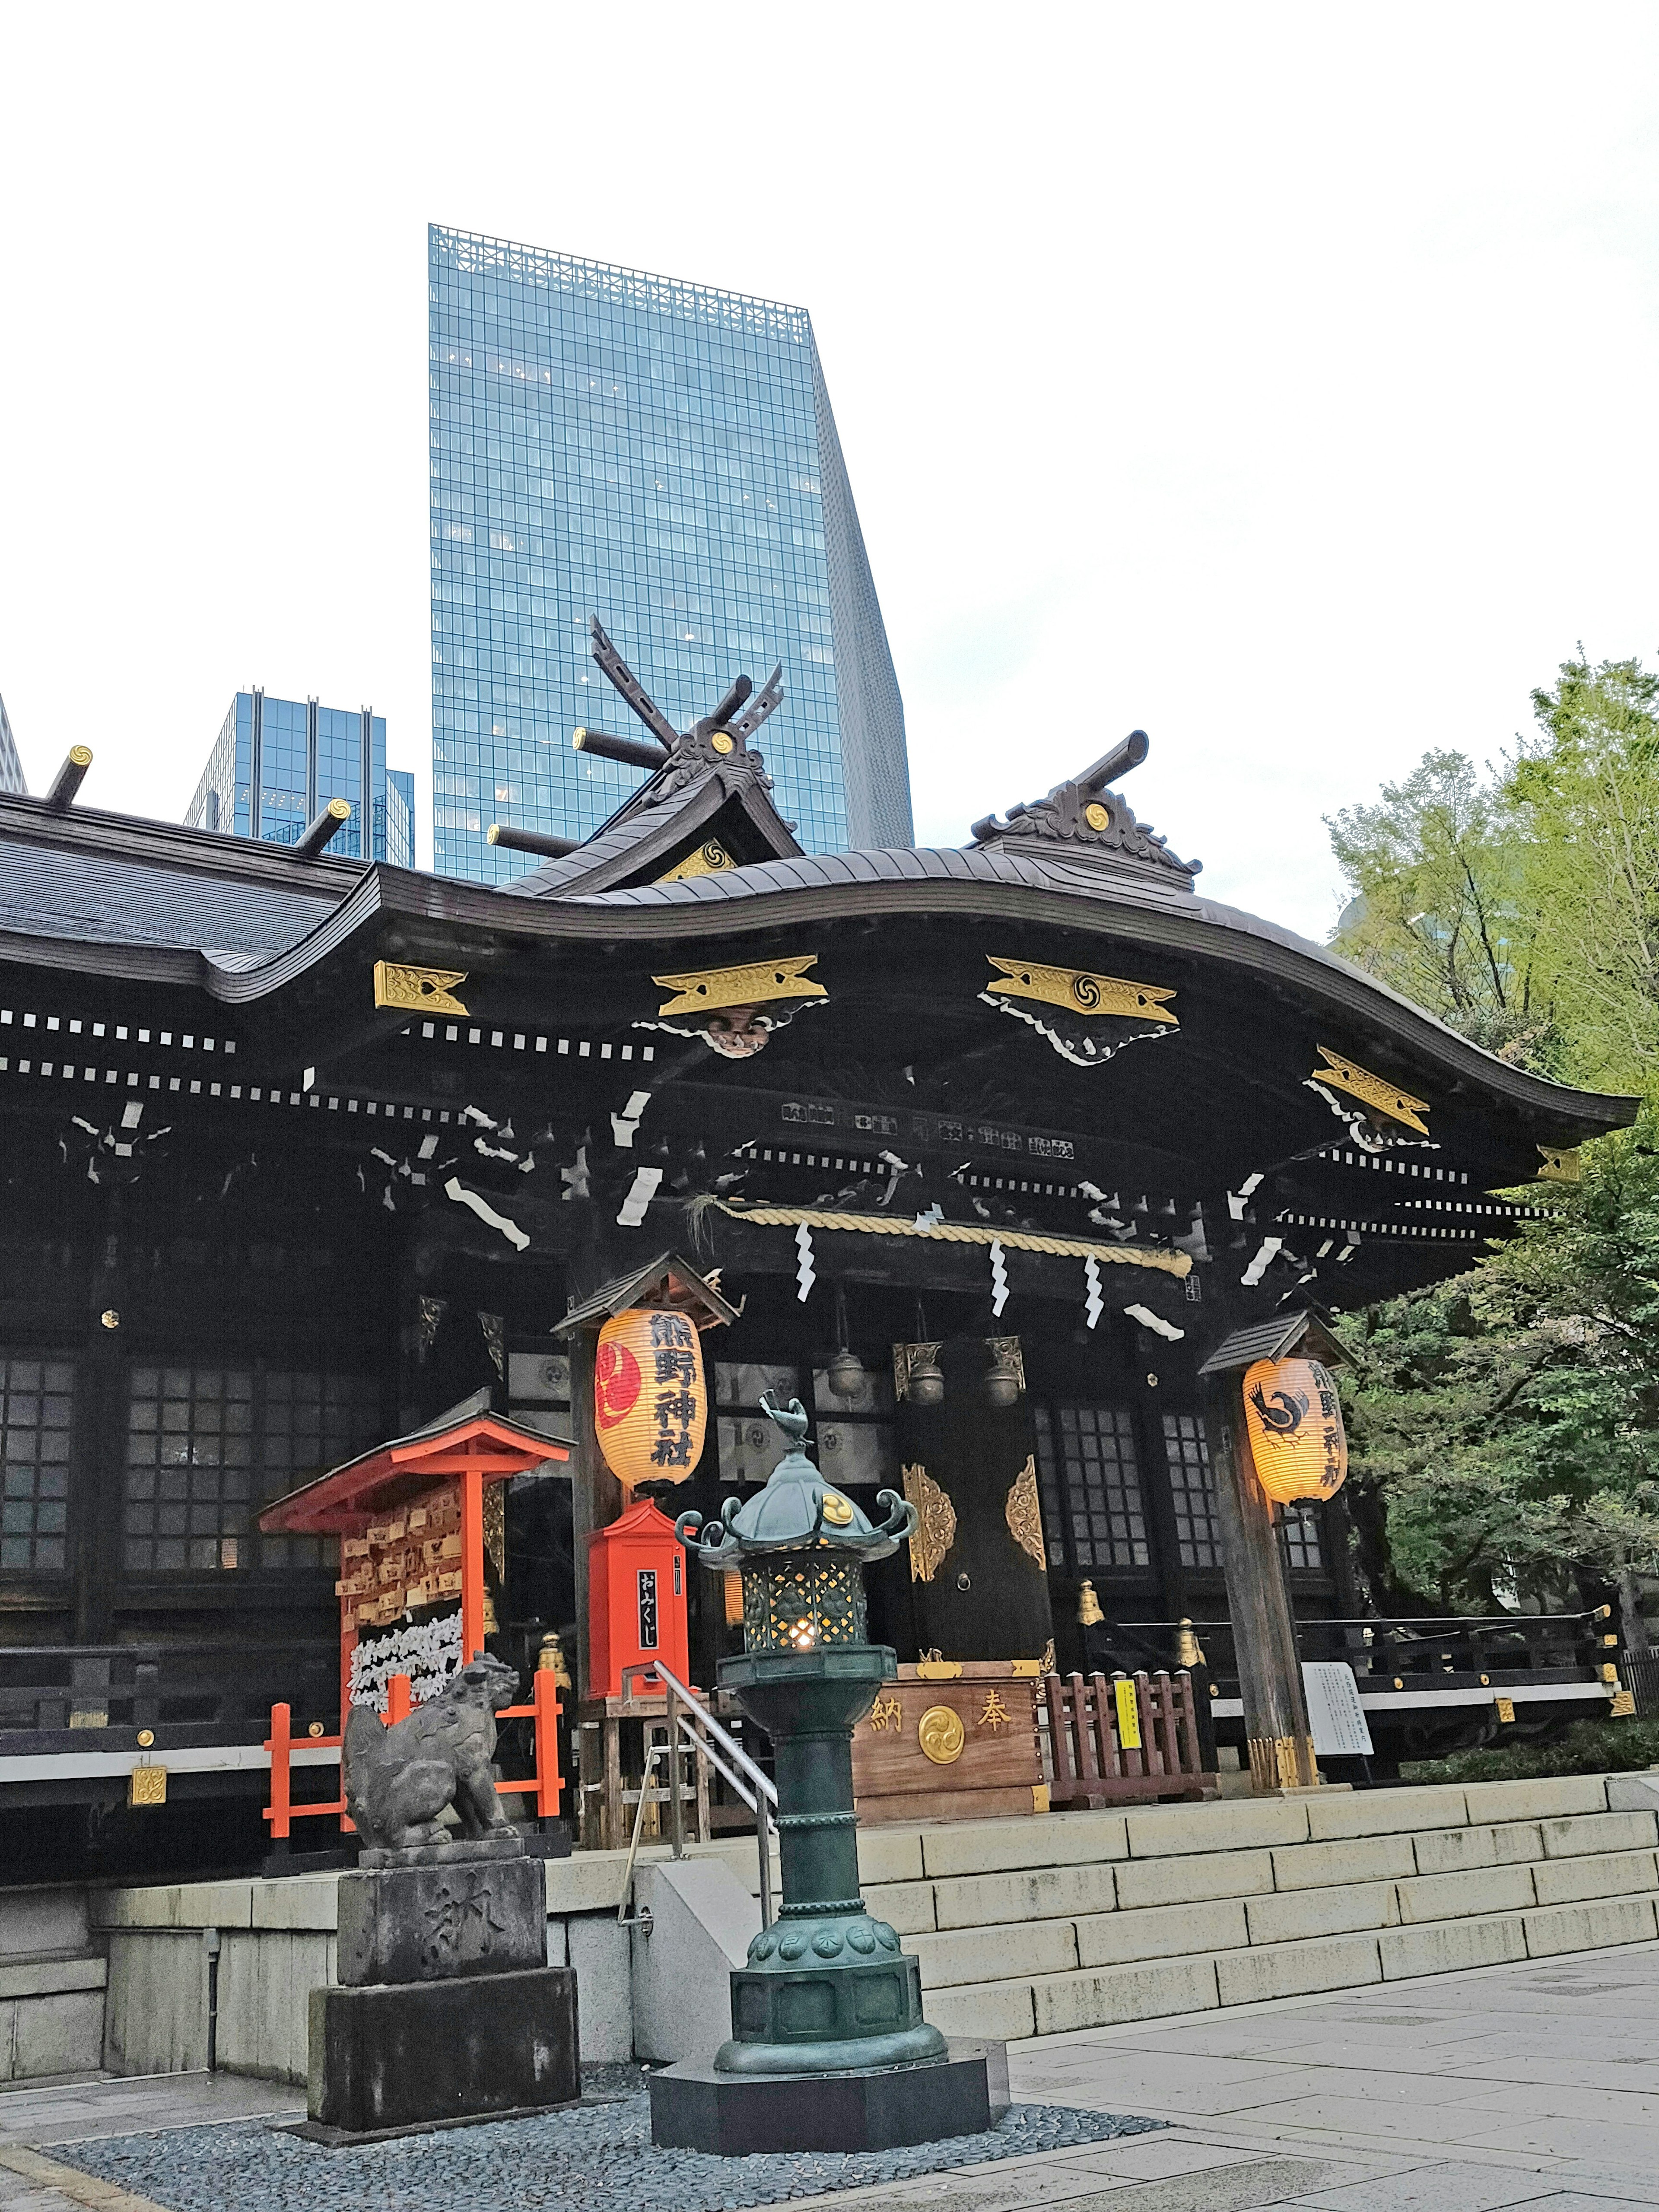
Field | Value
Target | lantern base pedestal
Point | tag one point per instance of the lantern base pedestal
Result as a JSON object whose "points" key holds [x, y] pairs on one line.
{"points": [[963, 2093]]}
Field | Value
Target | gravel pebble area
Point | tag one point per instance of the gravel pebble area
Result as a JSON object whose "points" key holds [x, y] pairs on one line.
{"points": [[595, 2157]]}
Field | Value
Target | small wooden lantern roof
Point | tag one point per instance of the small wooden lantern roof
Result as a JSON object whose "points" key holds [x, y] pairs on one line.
{"points": [[343, 1502], [667, 1283], [1277, 1339]]}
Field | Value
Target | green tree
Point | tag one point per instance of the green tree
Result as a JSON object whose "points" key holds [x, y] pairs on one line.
{"points": [[1439, 905], [1505, 1433], [1583, 793], [1506, 1430]]}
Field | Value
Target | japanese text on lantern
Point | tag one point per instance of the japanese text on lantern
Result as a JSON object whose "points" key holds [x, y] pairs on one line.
{"points": [[674, 1353], [650, 1401]]}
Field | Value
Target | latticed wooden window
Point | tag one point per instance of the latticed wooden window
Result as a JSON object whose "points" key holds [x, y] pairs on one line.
{"points": [[1089, 1474], [1299, 1531], [37, 1402], [208, 1446], [1198, 1533]]}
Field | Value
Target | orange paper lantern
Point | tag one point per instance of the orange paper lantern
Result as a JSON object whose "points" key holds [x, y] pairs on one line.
{"points": [[1297, 1437], [650, 1400]]}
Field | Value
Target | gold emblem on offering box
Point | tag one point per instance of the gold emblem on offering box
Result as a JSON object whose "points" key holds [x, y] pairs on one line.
{"points": [[417, 990], [1383, 1098], [941, 1735], [1024, 1516], [1080, 991]]}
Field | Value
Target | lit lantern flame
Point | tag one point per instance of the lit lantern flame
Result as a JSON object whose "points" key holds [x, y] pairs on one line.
{"points": [[1294, 1421]]}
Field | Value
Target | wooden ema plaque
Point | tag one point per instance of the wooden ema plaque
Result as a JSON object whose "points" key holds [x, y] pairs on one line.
{"points": [[952, 1740]]}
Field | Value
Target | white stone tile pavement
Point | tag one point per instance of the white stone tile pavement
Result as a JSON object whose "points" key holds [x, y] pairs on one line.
{"points": [[1440, 2095], [1461, 2093]]}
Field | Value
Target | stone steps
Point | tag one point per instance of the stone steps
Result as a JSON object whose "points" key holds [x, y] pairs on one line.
{"points": [[1084, 1920]]}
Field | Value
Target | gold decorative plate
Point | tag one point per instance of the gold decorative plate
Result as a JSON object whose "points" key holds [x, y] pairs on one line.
{"points": [[941, 1735]]}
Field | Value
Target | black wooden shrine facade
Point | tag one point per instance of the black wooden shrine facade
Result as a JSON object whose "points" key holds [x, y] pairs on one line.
{"points": [[299, 1152]]}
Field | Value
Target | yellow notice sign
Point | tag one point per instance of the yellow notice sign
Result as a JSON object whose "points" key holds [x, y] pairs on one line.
{"points": [[1128, 1714]]}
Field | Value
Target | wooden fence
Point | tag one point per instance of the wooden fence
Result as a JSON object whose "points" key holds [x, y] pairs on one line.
{"points": [[1121, 1739]]}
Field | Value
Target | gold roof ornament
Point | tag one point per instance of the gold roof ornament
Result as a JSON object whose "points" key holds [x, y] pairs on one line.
{"points": [[1560, 1164], [417, 990], [1383, 1098], [754, 983], [709, 859], [1080, 991]]}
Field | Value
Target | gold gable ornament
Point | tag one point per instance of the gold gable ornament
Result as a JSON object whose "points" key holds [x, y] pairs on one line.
{"points": [[1340, 1073], [709, 859], [417, 990], [1079, 990], [755, 983], [1559, 1165]]}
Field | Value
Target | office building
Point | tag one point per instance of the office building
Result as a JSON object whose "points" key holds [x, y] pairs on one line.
{"points": [[663, 456], [276, 761], [11, 765]]}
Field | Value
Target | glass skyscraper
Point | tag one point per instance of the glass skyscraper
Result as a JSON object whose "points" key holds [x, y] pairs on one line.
{"points": [[276, 761], [11, 765], [665, 457]]}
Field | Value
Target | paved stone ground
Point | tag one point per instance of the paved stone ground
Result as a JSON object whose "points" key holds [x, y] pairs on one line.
{"points": [[1534, 2086]]}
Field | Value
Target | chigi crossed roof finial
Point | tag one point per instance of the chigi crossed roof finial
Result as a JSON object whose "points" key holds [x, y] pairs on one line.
{"points": [[719, 740], [1084, 812]]}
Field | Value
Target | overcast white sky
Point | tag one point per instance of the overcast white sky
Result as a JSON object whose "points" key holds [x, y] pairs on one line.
{"points": [[1281, 378]]}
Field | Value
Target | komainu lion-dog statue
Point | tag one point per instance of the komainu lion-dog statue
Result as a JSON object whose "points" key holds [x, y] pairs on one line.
{"points": [[399, 1779]]}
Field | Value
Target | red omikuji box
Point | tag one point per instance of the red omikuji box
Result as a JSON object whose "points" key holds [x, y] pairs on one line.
{"points": [[635, 1599]]}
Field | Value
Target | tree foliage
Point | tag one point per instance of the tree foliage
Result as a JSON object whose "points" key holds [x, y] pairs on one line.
{"points": [[1506, 1435]]}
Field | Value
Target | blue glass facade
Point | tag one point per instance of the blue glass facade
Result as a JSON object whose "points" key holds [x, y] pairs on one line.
{"points": [[11, 765], [276, 761], [663, 456]]}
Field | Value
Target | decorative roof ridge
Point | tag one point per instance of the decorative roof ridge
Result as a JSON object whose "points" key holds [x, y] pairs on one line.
{"points": [[176, 846], [1085, 815], [638, 833], [682, 764]]}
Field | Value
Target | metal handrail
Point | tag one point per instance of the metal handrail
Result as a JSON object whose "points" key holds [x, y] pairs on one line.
{"points": [[686, 1697], [764, 1793]]}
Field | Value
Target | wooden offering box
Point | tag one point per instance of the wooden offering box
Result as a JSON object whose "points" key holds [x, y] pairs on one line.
{"points": [[952, 1740]]}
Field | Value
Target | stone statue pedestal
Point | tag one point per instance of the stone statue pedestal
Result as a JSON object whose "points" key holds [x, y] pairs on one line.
{"points": [[448, 2010]]}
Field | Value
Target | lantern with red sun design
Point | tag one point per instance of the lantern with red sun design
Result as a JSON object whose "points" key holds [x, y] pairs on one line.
{"points": [[1294, 1421], [650, 1399]]}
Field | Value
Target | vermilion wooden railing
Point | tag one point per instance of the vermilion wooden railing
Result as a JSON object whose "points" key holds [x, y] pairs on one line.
{"points": [[545, 1786]]}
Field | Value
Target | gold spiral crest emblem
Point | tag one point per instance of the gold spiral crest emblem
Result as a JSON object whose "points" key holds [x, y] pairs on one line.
{"points": [[941, 1735], [1085, 989]]}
